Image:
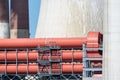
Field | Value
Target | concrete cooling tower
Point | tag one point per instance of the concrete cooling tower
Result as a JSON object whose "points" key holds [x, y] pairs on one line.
{"points": [[19, 19], [69, 18], [4, 19]]}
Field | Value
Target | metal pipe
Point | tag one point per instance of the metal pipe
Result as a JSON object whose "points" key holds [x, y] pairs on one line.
{"points": [[33, 68], [64, 42], [33, 55], [91, 41]]}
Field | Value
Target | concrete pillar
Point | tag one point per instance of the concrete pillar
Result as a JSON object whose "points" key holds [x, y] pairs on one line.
{"points": [[111, 66], [19, 19], [4, 19]]}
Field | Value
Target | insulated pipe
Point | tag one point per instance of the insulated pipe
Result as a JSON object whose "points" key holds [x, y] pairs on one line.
{"points": [[62, 42], [33, 55], [33, 68]]}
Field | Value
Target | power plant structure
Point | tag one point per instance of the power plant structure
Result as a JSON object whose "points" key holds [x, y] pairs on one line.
{"points": [[52, 58], [75, 40], [4, 19], [17, 24], [19, 19]]}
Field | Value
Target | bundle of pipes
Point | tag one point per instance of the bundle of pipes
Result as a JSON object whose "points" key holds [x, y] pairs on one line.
{"points": [[93, 40], [33, 56]]}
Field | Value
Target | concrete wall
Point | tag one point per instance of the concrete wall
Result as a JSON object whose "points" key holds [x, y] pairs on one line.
{"points": [[69, 18], [111, 66]]}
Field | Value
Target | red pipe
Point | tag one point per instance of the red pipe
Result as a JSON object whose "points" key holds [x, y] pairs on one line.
{"points": [[33, 43], [96, 63], [33, 55], [33, 68], [93, 41]]}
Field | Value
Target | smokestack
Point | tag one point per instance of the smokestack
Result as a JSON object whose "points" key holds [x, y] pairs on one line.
{"points": [[19, 19], [4, 19], [69, 18]]}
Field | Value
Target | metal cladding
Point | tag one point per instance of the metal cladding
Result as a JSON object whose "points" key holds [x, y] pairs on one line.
{"points": [[19, 19], [111, 67], [91, 41], [4, 19], [69, 18]]}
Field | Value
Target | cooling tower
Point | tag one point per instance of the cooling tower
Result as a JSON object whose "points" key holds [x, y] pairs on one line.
{"points": [[4, 19], [111, 67], [19, 19], [69, 18]]}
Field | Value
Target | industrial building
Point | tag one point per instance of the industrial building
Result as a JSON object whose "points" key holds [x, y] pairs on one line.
{"points": [[19, 19], [4, 19], [75, 40], [17, 24]]}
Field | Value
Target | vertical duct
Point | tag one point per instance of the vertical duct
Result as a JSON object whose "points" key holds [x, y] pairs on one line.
{"points": [[19, 19], [69, 18], [4, 19], [111, 66]]}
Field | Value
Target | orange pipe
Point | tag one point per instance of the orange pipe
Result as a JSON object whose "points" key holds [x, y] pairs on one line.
{"points": [[92, 40], [33, 68], [69, 54], [96, 63], [33, 55], [33, 43], [97, 76]]}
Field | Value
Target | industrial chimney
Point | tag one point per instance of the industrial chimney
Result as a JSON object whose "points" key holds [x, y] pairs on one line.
{"points": [[69, 18], [4, 19], [19, 19]]}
